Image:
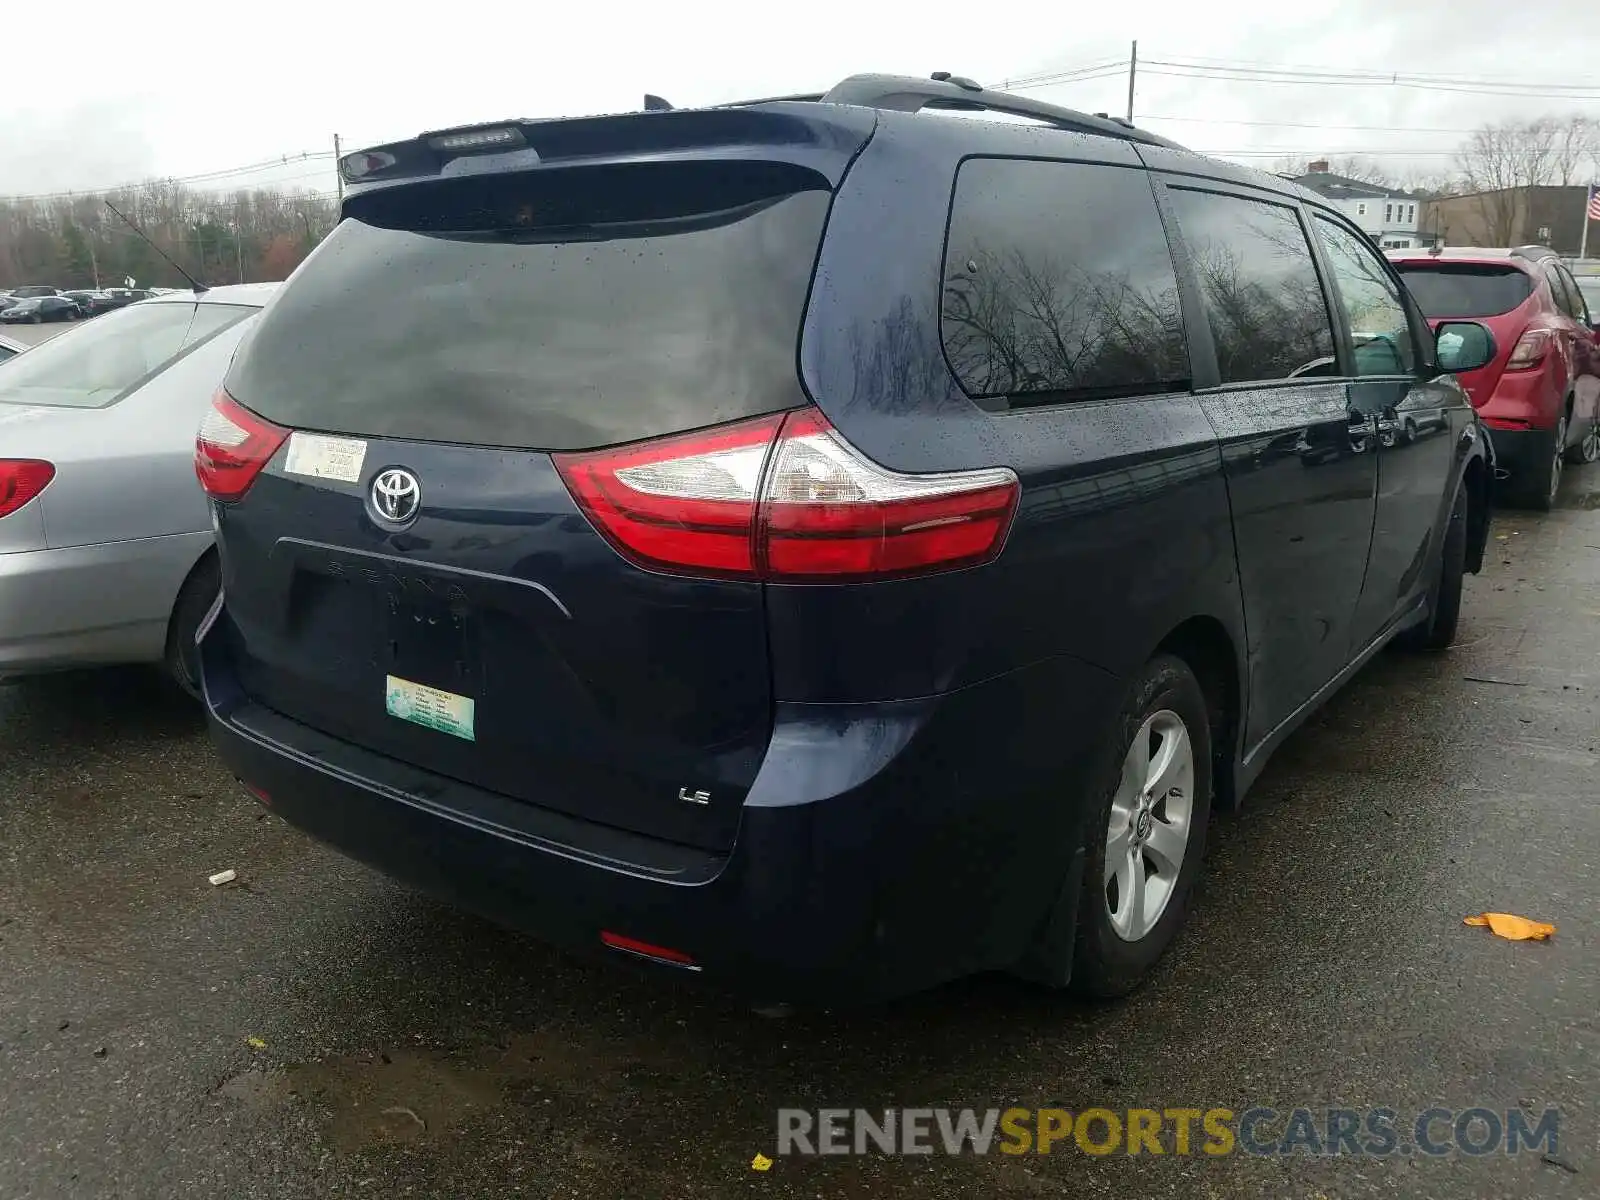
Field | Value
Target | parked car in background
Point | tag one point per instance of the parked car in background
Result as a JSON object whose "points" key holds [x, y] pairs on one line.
{"points": [[1589, 286], [90, 302], [1540, 397], [34, 290], [105, 543], [740, 602], [39, 309], [10, 348], [9, 301]]}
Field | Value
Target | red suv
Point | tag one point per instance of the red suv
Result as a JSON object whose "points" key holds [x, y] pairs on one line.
{"points": [[1540, 396]]}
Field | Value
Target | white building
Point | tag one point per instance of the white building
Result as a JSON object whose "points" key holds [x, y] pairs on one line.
{"points": [[1388, 217]]}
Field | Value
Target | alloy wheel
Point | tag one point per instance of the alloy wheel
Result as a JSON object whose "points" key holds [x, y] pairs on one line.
{"points": [[1148, 833], [1560, 458]]}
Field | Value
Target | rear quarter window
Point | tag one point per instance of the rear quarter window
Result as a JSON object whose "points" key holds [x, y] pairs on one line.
{"points": [[1446, 290], [1058, 285]]}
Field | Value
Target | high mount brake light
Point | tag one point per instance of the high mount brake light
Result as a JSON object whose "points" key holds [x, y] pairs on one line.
{"points": [[785, 498], [21, 479], [232, 446]]}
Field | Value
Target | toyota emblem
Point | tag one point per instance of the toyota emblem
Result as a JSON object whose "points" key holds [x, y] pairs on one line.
{"points": [[396, 496]]}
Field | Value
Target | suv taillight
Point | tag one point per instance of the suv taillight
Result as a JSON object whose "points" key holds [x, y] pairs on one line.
{"points": [[21, 479], [1529, 350], [232, 446], [786, 498]]}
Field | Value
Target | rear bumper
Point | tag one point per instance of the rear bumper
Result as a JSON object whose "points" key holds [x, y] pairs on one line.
{"points": [[883, 849], [91, 605], [1519, 451]]}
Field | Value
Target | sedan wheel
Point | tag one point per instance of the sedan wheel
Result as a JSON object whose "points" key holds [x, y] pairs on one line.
{"points": [[1555, 465], [1588, 449], [1149, 827]]}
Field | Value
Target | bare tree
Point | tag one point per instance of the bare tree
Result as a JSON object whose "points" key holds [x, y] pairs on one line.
{"points": [[1498, 161], [1574, 149]]}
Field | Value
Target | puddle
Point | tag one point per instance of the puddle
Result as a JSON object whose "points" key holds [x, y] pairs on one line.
{"points": [[421, 1096]]}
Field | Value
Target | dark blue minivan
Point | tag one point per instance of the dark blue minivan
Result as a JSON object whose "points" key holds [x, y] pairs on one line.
{"points": [[831, 544]]}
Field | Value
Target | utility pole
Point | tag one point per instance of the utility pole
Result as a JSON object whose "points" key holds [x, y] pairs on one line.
{"points": [[338, 175], [1133, 70], [94, 263]]}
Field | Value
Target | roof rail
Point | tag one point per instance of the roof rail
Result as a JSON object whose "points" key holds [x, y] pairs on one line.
{"points": [[1532, 252], [942, 90]]}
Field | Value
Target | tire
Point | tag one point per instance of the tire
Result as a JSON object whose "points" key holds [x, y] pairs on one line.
{"points": [[1587, 449], [1117, 945], [195, 598], [1538, 489], [1438, 631]]}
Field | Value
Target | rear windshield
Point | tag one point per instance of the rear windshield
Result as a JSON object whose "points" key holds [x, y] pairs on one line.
{"points": [[1466, 289], [552, 311], [112, 356]]}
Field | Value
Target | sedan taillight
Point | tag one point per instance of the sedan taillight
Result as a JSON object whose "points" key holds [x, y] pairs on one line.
{"points": [[21, 479]]}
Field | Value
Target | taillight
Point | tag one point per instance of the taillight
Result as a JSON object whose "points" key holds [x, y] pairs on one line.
{"points": [[21, 479], [786, 498], [1529, 350], [232, 446]]}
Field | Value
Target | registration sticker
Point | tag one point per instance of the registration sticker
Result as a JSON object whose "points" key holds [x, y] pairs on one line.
{"points": [[323, 457], [430, 707]]}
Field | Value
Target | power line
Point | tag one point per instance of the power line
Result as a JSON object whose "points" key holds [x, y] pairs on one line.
{"points": [[1376, 74], [1160, 67], [1299, 125], [1067, 75], [202, 177]]}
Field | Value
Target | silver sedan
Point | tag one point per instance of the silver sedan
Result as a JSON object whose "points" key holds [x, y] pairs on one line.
{"points": [[105, 536]]}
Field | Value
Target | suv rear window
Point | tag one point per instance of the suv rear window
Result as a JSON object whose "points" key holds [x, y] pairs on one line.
{"points": [[555, 310], [1446, 290]]}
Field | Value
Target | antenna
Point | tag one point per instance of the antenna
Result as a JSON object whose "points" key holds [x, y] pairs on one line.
{"points": [[193, 282]]}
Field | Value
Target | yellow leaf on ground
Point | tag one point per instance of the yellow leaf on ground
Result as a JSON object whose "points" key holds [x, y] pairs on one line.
{"points": [[1517, 929], [255, 1043], [761, 1163]]}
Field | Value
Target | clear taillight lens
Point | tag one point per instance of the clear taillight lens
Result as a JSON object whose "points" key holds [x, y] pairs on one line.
{"points": [[1530, 350]]}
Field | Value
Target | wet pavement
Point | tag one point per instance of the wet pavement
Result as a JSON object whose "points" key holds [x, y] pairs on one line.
{"points": [[314, 1030]]}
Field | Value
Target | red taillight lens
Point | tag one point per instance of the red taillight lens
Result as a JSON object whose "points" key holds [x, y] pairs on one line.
{"points": [[680, 503], [21, 479], [786, 498], [232, 446], [1530, 350]]}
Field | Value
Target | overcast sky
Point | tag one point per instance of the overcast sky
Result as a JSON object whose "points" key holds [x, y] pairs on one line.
{"points": [[210, 88]]}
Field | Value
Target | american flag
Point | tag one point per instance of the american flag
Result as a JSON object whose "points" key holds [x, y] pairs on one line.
{"points": [[1593, 210]]}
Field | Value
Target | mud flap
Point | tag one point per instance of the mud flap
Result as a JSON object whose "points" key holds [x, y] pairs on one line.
{"points": [[1049, 958]]}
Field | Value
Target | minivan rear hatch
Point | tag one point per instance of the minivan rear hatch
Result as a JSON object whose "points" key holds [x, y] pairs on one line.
{"points": [[450, 336]]}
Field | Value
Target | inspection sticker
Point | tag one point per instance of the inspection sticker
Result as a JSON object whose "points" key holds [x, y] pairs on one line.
{"points": [[430, 707], [323, 457]]}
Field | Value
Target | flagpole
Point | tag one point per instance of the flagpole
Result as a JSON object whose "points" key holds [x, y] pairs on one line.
{"points": [[1583, 240]]}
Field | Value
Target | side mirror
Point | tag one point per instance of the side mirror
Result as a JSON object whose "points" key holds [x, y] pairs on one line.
{"points": [[1463, 346]]}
